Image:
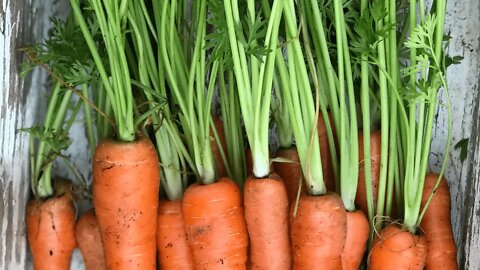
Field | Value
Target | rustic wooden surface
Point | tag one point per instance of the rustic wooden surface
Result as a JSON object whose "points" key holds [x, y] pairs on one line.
{"points": [[22, 103]]}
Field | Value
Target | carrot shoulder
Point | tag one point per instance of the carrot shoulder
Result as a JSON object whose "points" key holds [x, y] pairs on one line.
{"points": [[89, 241], [396, 248], [318, 232], [126, 181], [325, 154], [173, 250], [436, 224], [266, 212], [51, 232], [215, 225], [217, 156]]}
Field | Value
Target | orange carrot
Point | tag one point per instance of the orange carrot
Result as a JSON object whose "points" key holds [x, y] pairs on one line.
{"points": [[215, 225], [326, 157], [51, 232], [318, 231], [173, 249], [126, 181], [375, 149], [89, 241], [436, 224], [290, 173], [266, 212], [396, 248], [358, 230], [217, 156]]}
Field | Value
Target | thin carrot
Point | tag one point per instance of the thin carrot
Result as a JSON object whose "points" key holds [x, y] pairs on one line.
{"points": [[173, 249], [266, 212], [125, 195], [51, 232], [89, 241], [436, 224], [375, 150], [358, 230], [396, 248], [215, 225], [318, 231], [290, 173], [217, 156]]}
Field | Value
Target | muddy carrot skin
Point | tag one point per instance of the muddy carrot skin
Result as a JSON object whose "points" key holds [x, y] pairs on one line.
{"points": [[318, 231], [358, 230], [173, 249], [375, 151], [266, 212], [51, 232], [290, 173], [396, 248], [217, 156], [436, 224], [126, 181], [89, 241], [215, 225]]}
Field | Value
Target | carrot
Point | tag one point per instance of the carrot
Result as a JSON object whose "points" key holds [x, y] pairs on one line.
{"points": [[327, 163], [396, 248], [375, 149], [318, 231], [290, 173], [126, 180], [358, 230], [217, 156], [266, 212], [215, 225], [442, 251], [89, 241], [51, 232], [173, 249]]}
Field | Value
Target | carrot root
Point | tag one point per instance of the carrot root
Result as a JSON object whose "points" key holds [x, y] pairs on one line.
{"points": [[89, 241], [215, 225], [173, 250], [291, 173], [266, 212], [395, 248], [358, 230], [51, 232], [318, 232], [126, 181], [436, 224]]}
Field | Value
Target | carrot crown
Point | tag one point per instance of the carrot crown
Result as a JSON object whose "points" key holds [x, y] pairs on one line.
{"points": [[253, 68]]}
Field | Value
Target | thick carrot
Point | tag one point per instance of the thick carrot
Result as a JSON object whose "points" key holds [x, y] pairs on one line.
{"points": [[375, 149], [89, 241], [290, 173], [126, 181], [327, 163], [358, 230], [318, 232], [215, 225], [396, 248], [266, 212], [51, 232], [436, 224], [173, 249], [217, 156]]}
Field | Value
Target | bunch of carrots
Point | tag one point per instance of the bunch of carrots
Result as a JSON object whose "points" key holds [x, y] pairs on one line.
{"points": [[181, 100]]}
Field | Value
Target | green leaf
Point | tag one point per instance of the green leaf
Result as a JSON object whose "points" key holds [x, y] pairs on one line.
{"points": [[463, 146]]}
